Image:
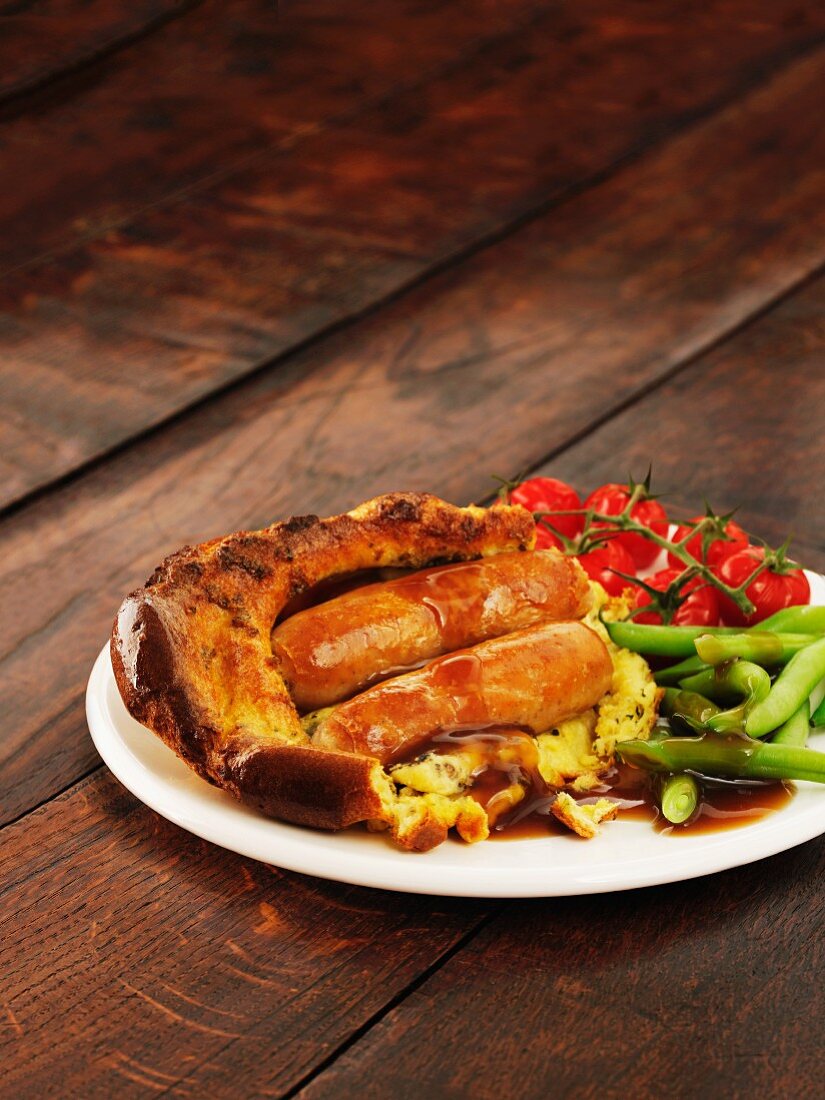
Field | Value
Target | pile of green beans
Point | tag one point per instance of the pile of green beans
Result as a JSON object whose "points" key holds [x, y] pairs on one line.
{"points": [[743, 696]]}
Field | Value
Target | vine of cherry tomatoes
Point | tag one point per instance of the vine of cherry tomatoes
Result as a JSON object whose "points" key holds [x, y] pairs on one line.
{"points": [[616, 560]]}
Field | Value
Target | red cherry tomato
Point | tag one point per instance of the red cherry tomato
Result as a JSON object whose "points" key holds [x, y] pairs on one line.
{"points": [[548, 494], [700, 608], [611, 500], [599, 564], [545, 539], [718, 550], [770, 592]]}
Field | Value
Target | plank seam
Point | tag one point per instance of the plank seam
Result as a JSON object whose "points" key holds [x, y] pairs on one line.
{"points": [[718, 341], [37, 84], [53, 797], [303, 133], [374, 1018], [395, 1001], [759, 73]]}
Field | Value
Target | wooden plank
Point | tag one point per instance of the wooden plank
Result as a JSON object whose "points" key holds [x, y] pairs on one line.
{"points": [[743, 427], [141, 960], [180, 286], [41, 40], [698, 988], [623, 284], [220, 87], [230, 82]]}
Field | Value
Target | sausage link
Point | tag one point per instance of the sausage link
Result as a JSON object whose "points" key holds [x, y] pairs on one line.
{"points": [[533, 679], [329, 652]]}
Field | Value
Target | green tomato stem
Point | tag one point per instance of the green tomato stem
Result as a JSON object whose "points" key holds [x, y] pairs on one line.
{"points": [[625, 523]]}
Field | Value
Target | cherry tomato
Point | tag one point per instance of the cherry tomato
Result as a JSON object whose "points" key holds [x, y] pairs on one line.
{"points": [[545, 539], [718, 550], [612, 499], [548, 494], [700, 608], [770, 591], [599, 564]]}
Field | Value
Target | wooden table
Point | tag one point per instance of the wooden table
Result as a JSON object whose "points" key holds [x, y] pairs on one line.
{"points": [[258, 262]]}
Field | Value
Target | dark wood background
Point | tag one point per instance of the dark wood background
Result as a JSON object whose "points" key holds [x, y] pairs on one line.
{"points": [[257, 261]]}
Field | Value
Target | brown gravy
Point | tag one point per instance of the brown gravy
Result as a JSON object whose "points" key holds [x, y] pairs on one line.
{"points": [[724, 805]]}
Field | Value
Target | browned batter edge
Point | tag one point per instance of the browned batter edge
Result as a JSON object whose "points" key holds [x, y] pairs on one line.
{"points": [[192, 657]]}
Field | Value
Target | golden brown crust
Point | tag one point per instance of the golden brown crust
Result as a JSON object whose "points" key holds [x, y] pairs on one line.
{"points": [[192, 656], [584, 820]]}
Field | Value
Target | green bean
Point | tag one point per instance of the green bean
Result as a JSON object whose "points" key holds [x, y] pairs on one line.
{"points": [[678, 641], [724, 756], [801, 619], [689, 704], [667, 677], [719, 647], [729, 680], [818, 716], [792, 687], [795, 730], [661, 641], [678, 798], [760, 646]]}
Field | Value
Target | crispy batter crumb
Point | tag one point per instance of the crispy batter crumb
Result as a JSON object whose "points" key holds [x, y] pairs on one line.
{"points": [[583, 819]]}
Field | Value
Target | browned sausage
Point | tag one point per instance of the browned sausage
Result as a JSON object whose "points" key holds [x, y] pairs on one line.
{"points": [[531, 679], [329, 652]]}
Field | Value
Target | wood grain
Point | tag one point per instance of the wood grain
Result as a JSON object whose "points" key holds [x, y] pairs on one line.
{"points": [[535, 339], [143, 961], [43, 40], [693, 989], [204, 225], [202, 96], [751, 416]]}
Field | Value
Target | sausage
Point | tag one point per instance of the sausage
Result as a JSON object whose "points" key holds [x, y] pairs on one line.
{"points": [[328, 652], [532, 679]]}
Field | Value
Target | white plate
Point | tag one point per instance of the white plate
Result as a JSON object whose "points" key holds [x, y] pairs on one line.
{"points": [[625, 855]]}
